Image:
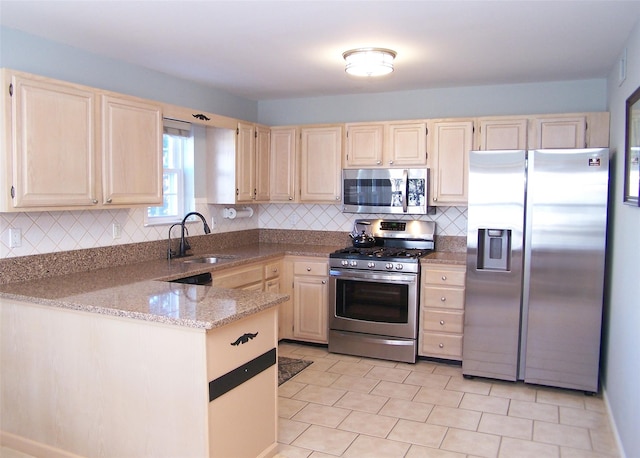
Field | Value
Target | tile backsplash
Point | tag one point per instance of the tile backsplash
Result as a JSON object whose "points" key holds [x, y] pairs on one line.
{"points": [[50, 232]]}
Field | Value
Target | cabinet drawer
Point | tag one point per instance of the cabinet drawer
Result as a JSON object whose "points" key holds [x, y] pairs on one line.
{"points": [[272, 269], [441, 345], [448, 298], [447, 277], [224, 354], [442, 321], [310, 268], [236, 278]]}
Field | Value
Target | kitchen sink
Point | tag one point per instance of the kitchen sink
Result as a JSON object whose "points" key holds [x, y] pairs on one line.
{"points": [[209, 259]]}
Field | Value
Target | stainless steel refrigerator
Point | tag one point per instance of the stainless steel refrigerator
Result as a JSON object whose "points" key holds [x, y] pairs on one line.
{"points": [[535, 266]]}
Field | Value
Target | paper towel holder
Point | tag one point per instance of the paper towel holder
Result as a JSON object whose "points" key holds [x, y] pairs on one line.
{"points": [[233, 213]]}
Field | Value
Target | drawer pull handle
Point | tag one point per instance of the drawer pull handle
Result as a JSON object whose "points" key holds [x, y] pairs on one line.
{"points": [[444, 278], [443, 299], [441, 345], [244, 338], [442, 322]]}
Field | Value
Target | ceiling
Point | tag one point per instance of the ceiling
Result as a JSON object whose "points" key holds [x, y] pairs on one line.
{"points": [[281, 49]]}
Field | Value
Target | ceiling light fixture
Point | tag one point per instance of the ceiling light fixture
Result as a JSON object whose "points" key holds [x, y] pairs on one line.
{"points": [[369, 61]]}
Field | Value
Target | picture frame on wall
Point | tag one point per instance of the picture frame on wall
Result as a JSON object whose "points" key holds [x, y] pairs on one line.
{"points": [[632, 150]]}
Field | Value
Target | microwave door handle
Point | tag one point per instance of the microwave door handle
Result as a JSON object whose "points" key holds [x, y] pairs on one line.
{"points": [[405, 194]]}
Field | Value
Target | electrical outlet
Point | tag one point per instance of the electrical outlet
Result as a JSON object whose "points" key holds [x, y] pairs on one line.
{"points": [[293, 219], [116, 230], [15, 237], [213, 223]]}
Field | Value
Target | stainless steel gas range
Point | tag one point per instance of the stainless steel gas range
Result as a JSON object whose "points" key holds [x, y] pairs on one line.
{"points": [[374, 292]]}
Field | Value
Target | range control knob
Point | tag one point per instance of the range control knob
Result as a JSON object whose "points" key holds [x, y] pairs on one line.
{"points": [[388, 266], [399, 266], [371, 264], [353, 263], [344, 262]]}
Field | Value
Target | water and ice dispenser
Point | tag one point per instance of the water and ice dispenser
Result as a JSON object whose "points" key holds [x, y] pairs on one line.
{"points": [[494, 249]]}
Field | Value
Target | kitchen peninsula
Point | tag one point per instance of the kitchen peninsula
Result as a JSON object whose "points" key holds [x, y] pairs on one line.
{"points": [[118, 362]]}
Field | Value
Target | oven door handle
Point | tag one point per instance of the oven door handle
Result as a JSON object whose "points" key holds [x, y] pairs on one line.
{"points": [[377, 277], [405, 194]]}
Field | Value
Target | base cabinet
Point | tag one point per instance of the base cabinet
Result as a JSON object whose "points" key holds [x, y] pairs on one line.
{"points": [[441, 311], [304, 317]]}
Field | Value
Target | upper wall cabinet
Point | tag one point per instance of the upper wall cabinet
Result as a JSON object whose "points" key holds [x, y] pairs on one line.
{"points": [[283, 166], [68, 146], [131, 151], [320, 164], [238, 164], [451, 141], [502, 133], [389, 144]]}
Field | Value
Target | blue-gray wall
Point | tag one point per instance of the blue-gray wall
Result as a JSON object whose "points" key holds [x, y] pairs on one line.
{"points": [[533, 98], [28, 53]]}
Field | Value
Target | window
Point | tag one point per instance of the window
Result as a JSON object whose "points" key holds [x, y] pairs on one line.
{"points": [[177, 180]]}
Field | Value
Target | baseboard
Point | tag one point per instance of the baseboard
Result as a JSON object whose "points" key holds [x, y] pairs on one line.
{"points": [[612, 423], [31, 447]]}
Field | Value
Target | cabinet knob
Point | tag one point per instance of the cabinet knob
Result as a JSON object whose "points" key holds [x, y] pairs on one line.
{"points": [[443, 299], [109, 200], [444, 278], [378, 162], [390, 162], [442, 322], [441, 345], [324, 282], [337, 197], [290, 198], [435, 199], [308, 269], [94, 201]]}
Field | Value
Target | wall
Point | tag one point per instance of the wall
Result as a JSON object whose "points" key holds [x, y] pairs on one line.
{"points": [[513, 99], [621, 343]]}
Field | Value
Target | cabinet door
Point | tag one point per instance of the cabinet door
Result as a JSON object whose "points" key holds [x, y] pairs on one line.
{"points": [[53, 144], [561, 132], [503, 134], [245, 163], [132, 151], [452, 141], [310, 302], [364, 145], [283, 164], [263, 148], [320, 164], [407, 144]]}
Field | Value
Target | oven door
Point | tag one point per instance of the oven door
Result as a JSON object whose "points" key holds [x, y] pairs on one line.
{"points": [[382, 303]]}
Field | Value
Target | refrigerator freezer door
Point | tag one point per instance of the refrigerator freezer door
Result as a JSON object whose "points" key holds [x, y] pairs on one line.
{"points": [[566, 215], [494, 276]]}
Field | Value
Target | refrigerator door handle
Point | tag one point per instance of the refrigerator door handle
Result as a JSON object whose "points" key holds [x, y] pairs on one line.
{"points": [[405, 193]]}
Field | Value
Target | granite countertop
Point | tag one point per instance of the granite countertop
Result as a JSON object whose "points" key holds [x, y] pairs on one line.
{"points": [[143, 291]]}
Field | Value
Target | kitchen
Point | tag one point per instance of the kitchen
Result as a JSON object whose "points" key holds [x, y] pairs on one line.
{"points": [[622, 290]]}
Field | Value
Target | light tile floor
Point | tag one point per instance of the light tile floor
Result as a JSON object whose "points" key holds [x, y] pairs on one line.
{"points": [[359, 407]]}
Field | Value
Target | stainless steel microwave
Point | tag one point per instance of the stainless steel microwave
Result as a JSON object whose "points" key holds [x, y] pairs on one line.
{"points": [[394, 191]]}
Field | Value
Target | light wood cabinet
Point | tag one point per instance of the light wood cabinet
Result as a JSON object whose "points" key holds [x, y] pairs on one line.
{"points": [[131, 151], [560, 132], [245, 163], [502, 133], [441, 311], [283, 165], [272, 271], [320, 164], [68, 146], [263, 163], [451, 142], [238, 164], [310, 299], [390, 144]]}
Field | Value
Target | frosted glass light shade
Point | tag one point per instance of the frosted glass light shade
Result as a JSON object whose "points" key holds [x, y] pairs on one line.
{"points": [[369, 61]]}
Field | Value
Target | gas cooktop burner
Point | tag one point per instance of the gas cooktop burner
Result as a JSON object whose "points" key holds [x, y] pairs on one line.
{"points": [[379, 252]]}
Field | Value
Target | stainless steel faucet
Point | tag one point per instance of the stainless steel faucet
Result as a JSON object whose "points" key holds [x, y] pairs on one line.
{"points": [[184, 244]]}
